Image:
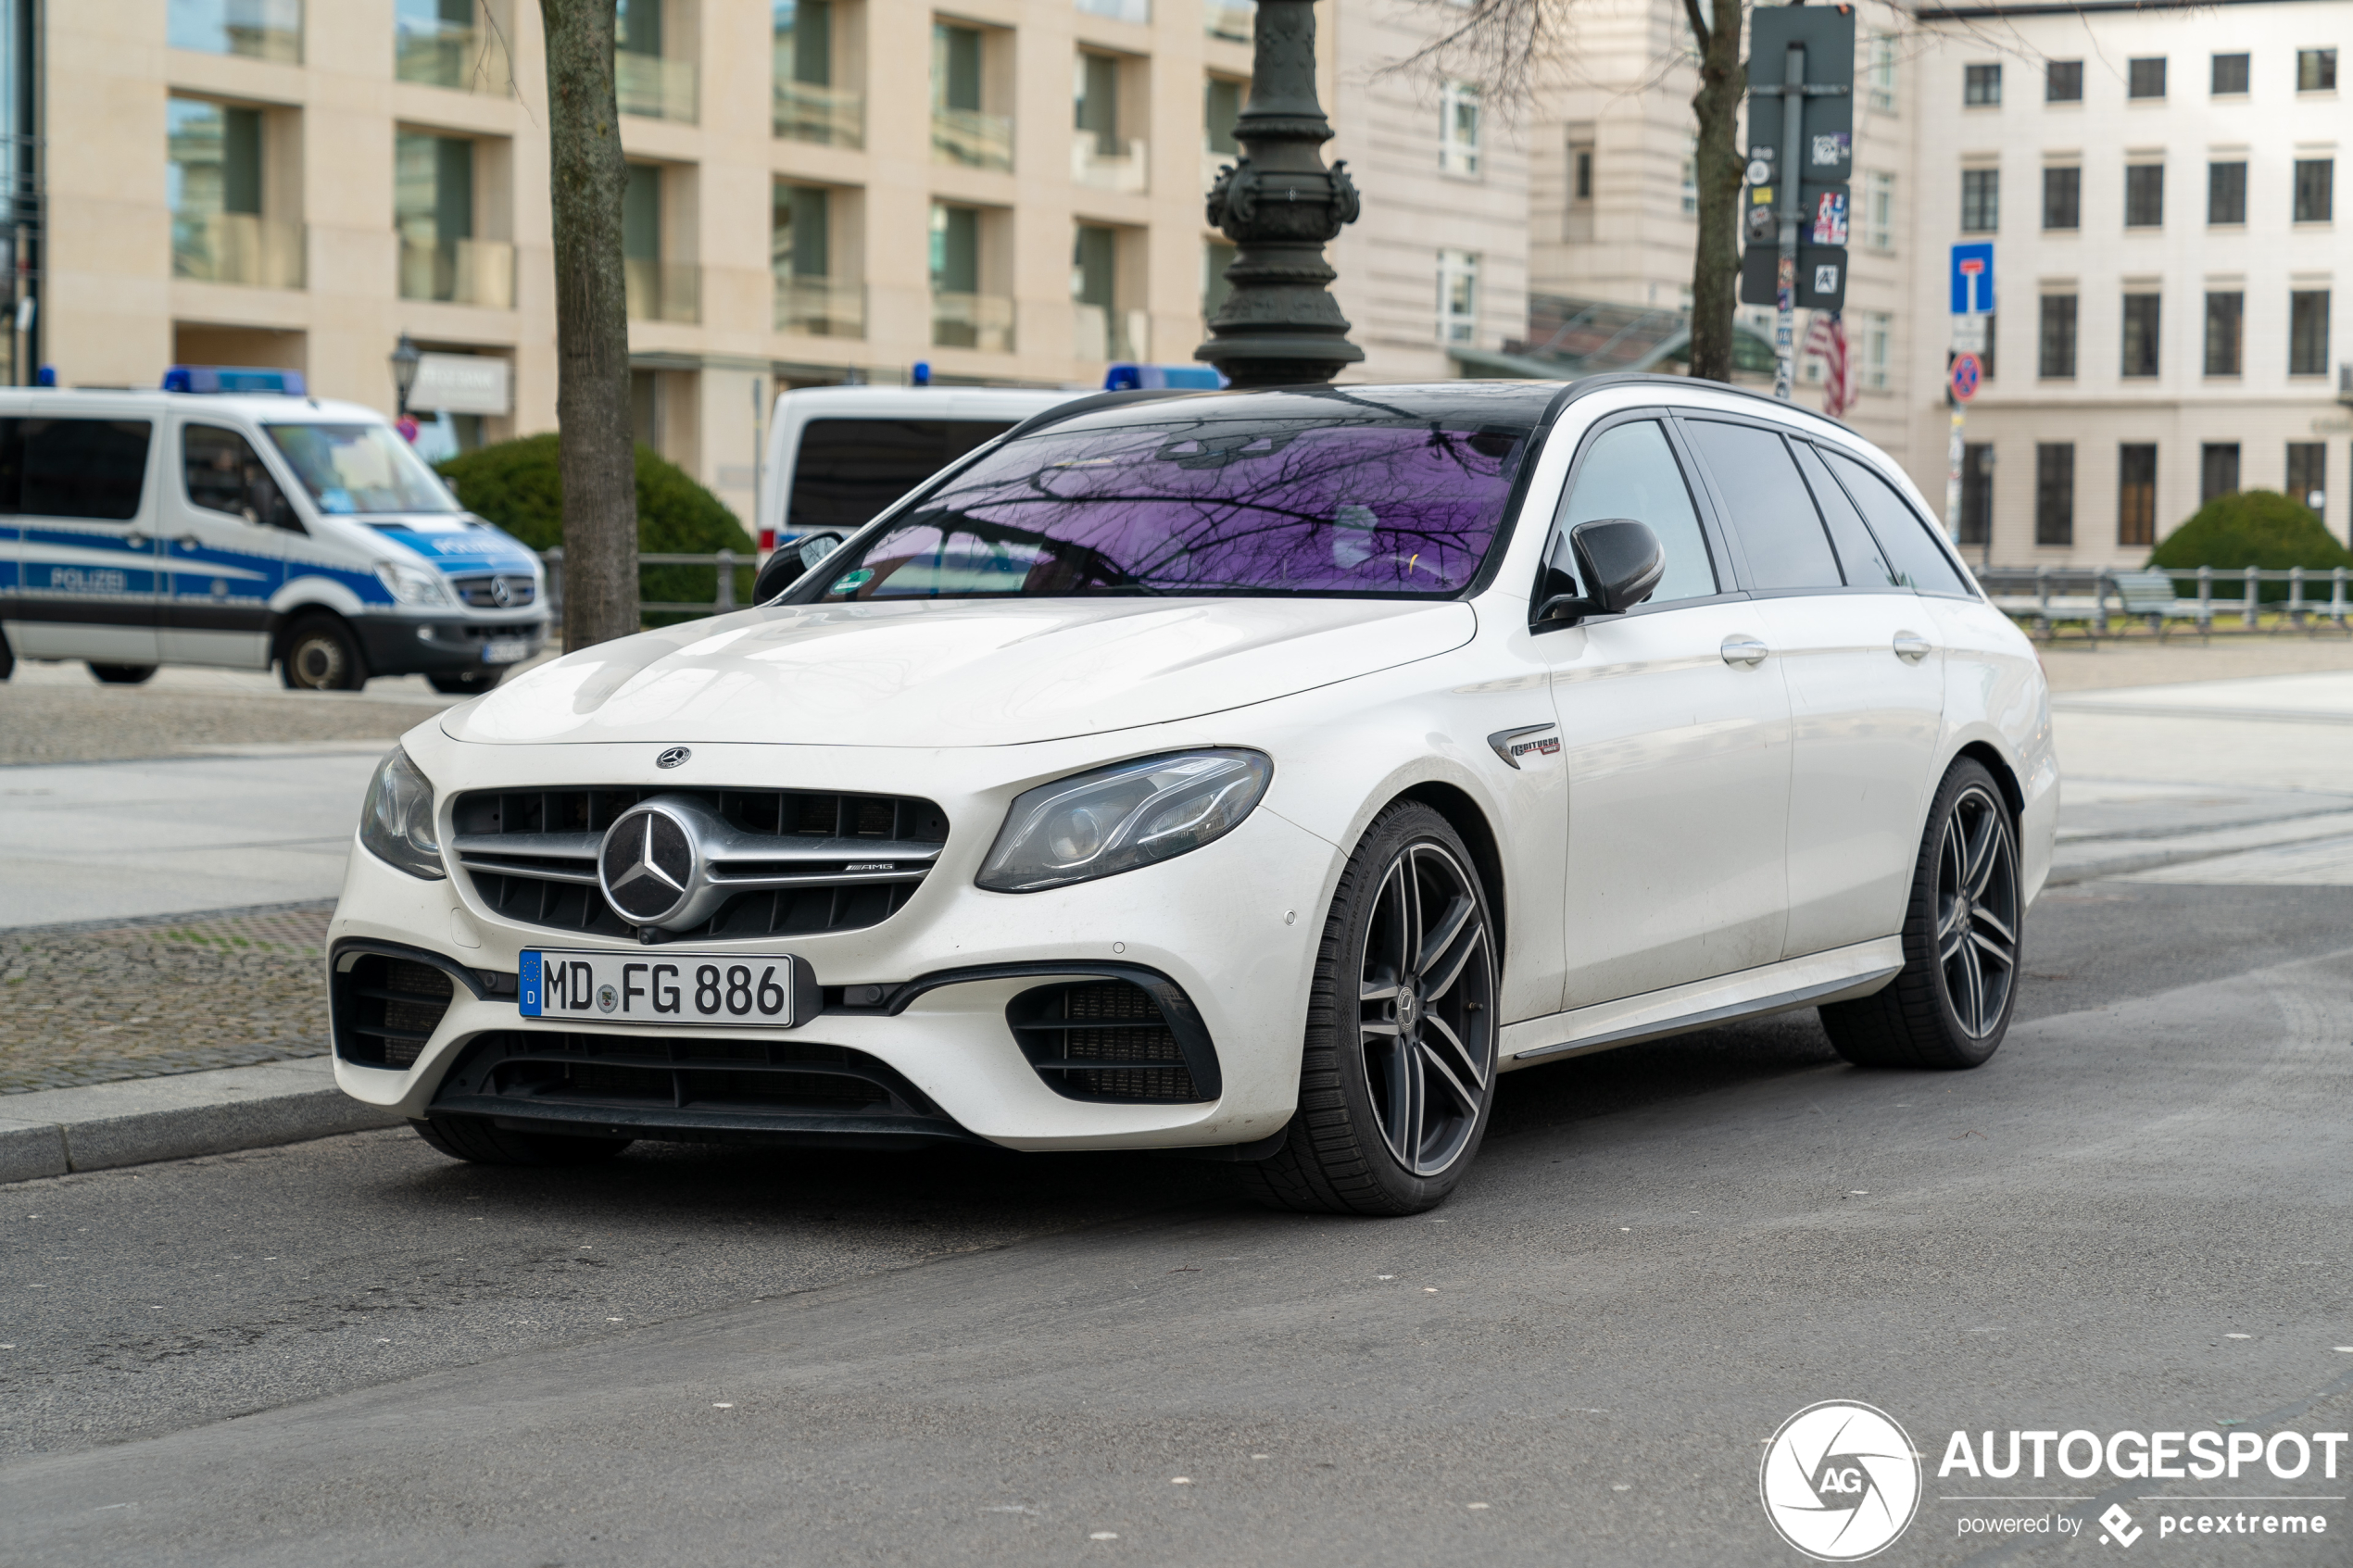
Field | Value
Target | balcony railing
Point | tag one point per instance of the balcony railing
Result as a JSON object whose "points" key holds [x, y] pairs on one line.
{"points": [[443, 54], [972, 139], [460, 271], [1106, 335], [663, 291], [821, 308], [261, 30], [654, 87], [1137, 11], [1124, 169], [1232, 20], [237, 247], [972, 320], [831, 117]]}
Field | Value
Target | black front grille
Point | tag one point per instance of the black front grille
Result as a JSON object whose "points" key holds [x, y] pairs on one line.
{"points": [[481, 593], [387, 1008], [1113, 1041], [531, 855]]}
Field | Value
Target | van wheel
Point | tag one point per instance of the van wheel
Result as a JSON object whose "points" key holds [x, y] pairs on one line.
{"points": [[7, 657], [122, 674], [468, 682], [321, 655]]}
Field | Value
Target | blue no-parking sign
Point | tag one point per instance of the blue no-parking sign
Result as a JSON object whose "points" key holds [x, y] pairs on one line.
{"points": [[1973, 279]]}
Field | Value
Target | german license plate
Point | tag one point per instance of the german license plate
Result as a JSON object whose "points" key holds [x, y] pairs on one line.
{"points": [[703, 988], [505, 650]]}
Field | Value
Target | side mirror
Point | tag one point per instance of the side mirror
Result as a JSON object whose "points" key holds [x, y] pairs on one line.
{"points": [[1620, 561], [784, 566]]}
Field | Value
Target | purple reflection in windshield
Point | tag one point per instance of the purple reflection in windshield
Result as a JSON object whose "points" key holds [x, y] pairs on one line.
{"points": [[1210, 506]]}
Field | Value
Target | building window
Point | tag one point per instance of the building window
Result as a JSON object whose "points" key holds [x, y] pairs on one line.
{"points": [[2315, 190], [1580, 174], [2315, 70], [1459, 128], [801, 264], [2230, 75], [2144, 79], [2226, 193], [2062, 198], [1457, 297], [2308, 333], [1215, 256], [963, 131], [2140, 335], [1879, 349], [1992, 336], [2058, 359], [1980, 85], [2055, 493], [1980, 200], [806, 105], [271, 30], [448, 44], [432, 206], [1882, 75], [2144, 195], [1221, 104], [1977, 493], [1878, 211], [2136, 493], [2307, 474], [2063, 82], [2225, 322], [1690, 177], [214, 186], [2217, 469]]}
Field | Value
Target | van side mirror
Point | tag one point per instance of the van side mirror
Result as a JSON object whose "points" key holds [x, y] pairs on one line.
{"points": [[784, 565], [1620, 561]]}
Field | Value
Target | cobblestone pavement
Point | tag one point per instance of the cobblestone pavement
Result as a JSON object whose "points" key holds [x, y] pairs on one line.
{"points": [[42, 722], [152, 998]]}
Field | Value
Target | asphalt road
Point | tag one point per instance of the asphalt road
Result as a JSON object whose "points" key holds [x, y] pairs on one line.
{"points": [[2140, 1215]]}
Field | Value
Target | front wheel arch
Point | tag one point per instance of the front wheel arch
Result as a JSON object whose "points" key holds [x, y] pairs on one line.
{"points": [[1462, 814]]}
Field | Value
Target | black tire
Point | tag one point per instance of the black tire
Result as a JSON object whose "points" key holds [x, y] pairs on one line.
{"points": [[319, 654], [486, 1143], [1950, 1005], [1392, 1109], [466, 683], [7, 657], [122, 674]]}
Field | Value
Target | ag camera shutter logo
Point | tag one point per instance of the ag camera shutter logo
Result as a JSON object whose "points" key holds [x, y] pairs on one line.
{"points": [[1840, 1481]]}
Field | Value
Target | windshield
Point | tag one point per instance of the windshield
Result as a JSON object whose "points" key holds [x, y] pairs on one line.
{"points": [[1207, 506], [363, 468]]}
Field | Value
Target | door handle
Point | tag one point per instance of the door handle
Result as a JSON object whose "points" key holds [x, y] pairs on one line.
{"points": [[135, 541], [1739, 649], [189, 542], [1911, 646]]}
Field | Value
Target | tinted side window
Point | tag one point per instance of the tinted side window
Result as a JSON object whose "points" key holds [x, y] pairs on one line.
{"points": [[1917, 561], [1629, 470], [1771, 511], [225, 474], [1858, 553], [78, 467], [850, 470]]}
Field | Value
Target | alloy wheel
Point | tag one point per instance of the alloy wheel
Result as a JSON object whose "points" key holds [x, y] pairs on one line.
{"points": [[1426, 1008], [1977, 912]]}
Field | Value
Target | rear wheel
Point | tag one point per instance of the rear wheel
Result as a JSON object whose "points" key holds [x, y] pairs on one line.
{"points": [[321, 655], [466, 683], [1398, 1067], [1950, 1004], [485, 1143], [122, 674]]}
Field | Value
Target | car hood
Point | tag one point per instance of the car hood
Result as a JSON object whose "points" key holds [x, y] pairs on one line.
{"points": [[954, 672]]}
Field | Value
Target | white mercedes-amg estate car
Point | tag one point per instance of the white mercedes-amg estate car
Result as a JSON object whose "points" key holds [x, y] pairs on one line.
{"points": [[1253, 774]]}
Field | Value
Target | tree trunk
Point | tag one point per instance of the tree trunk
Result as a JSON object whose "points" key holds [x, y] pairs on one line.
{"points": [[1715, 262], [596, 454]]}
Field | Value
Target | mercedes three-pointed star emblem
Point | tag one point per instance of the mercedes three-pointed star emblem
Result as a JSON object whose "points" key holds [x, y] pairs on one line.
{"points": [[646, 864]]}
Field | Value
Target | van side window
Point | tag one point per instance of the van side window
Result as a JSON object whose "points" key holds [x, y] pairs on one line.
{"points": [[848, 471], [1918, 563], [225, 474], [74, 467]]}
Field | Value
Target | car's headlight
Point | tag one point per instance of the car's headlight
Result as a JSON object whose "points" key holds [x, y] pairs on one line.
{"points": [[1119, 818], [414, 584], [395, 825]]}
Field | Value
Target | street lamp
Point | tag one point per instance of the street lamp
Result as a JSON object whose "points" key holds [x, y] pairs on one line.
{"points": [[1280, 204], [404, 372]]}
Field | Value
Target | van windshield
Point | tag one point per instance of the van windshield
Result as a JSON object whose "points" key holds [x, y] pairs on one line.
{"points": [[354, 470], [1207, 506]]}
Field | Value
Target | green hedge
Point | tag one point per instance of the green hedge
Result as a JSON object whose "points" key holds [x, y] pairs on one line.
{"points": [[2259, 528], [514, 485]]}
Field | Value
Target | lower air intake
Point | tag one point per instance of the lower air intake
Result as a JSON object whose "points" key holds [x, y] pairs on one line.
{"points": [[1117, 1042], [385, 1008]]}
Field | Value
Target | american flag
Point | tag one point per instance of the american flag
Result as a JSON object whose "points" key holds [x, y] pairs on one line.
{"points": [[1827, 337]]}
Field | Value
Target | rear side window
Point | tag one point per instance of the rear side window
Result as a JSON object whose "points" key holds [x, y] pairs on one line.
{"points": [[848, 471], [74, 467], [1780, 531], [225, 474], [1858, 553], [1917, 561]]}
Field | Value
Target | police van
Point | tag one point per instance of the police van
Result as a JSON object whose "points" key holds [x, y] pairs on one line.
{"points": [[229, 520]]}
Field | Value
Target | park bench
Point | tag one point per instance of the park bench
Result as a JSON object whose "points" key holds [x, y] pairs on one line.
{"points": [[2150, 596]]}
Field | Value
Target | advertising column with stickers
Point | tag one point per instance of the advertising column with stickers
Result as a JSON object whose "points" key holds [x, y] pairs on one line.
{"points": [[1801, 132]]}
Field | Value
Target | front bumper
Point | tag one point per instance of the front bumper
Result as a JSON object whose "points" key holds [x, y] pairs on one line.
{"points": [[398, 646], [1213, 925]]}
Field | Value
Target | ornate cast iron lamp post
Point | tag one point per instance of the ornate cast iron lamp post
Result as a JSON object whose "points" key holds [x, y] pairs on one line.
{"points": [[1279, 205]]}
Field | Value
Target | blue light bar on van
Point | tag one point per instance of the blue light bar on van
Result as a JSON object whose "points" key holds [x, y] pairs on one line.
{"points": [[1129, 378], [233, 378]]}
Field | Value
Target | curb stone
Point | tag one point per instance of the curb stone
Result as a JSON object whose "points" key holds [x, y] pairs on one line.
{"points": [[136, 1121]]}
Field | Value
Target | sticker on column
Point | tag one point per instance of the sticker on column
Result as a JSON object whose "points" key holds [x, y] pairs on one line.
{"points": [[1826, 280], [1829, 219], [1829, 150]]}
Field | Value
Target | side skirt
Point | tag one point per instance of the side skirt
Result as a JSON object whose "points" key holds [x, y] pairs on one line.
{"points": [[1834, 976]]}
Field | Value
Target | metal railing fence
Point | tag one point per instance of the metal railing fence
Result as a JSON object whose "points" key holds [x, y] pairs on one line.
{"points": [[2205, 594], [729, 565]]}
